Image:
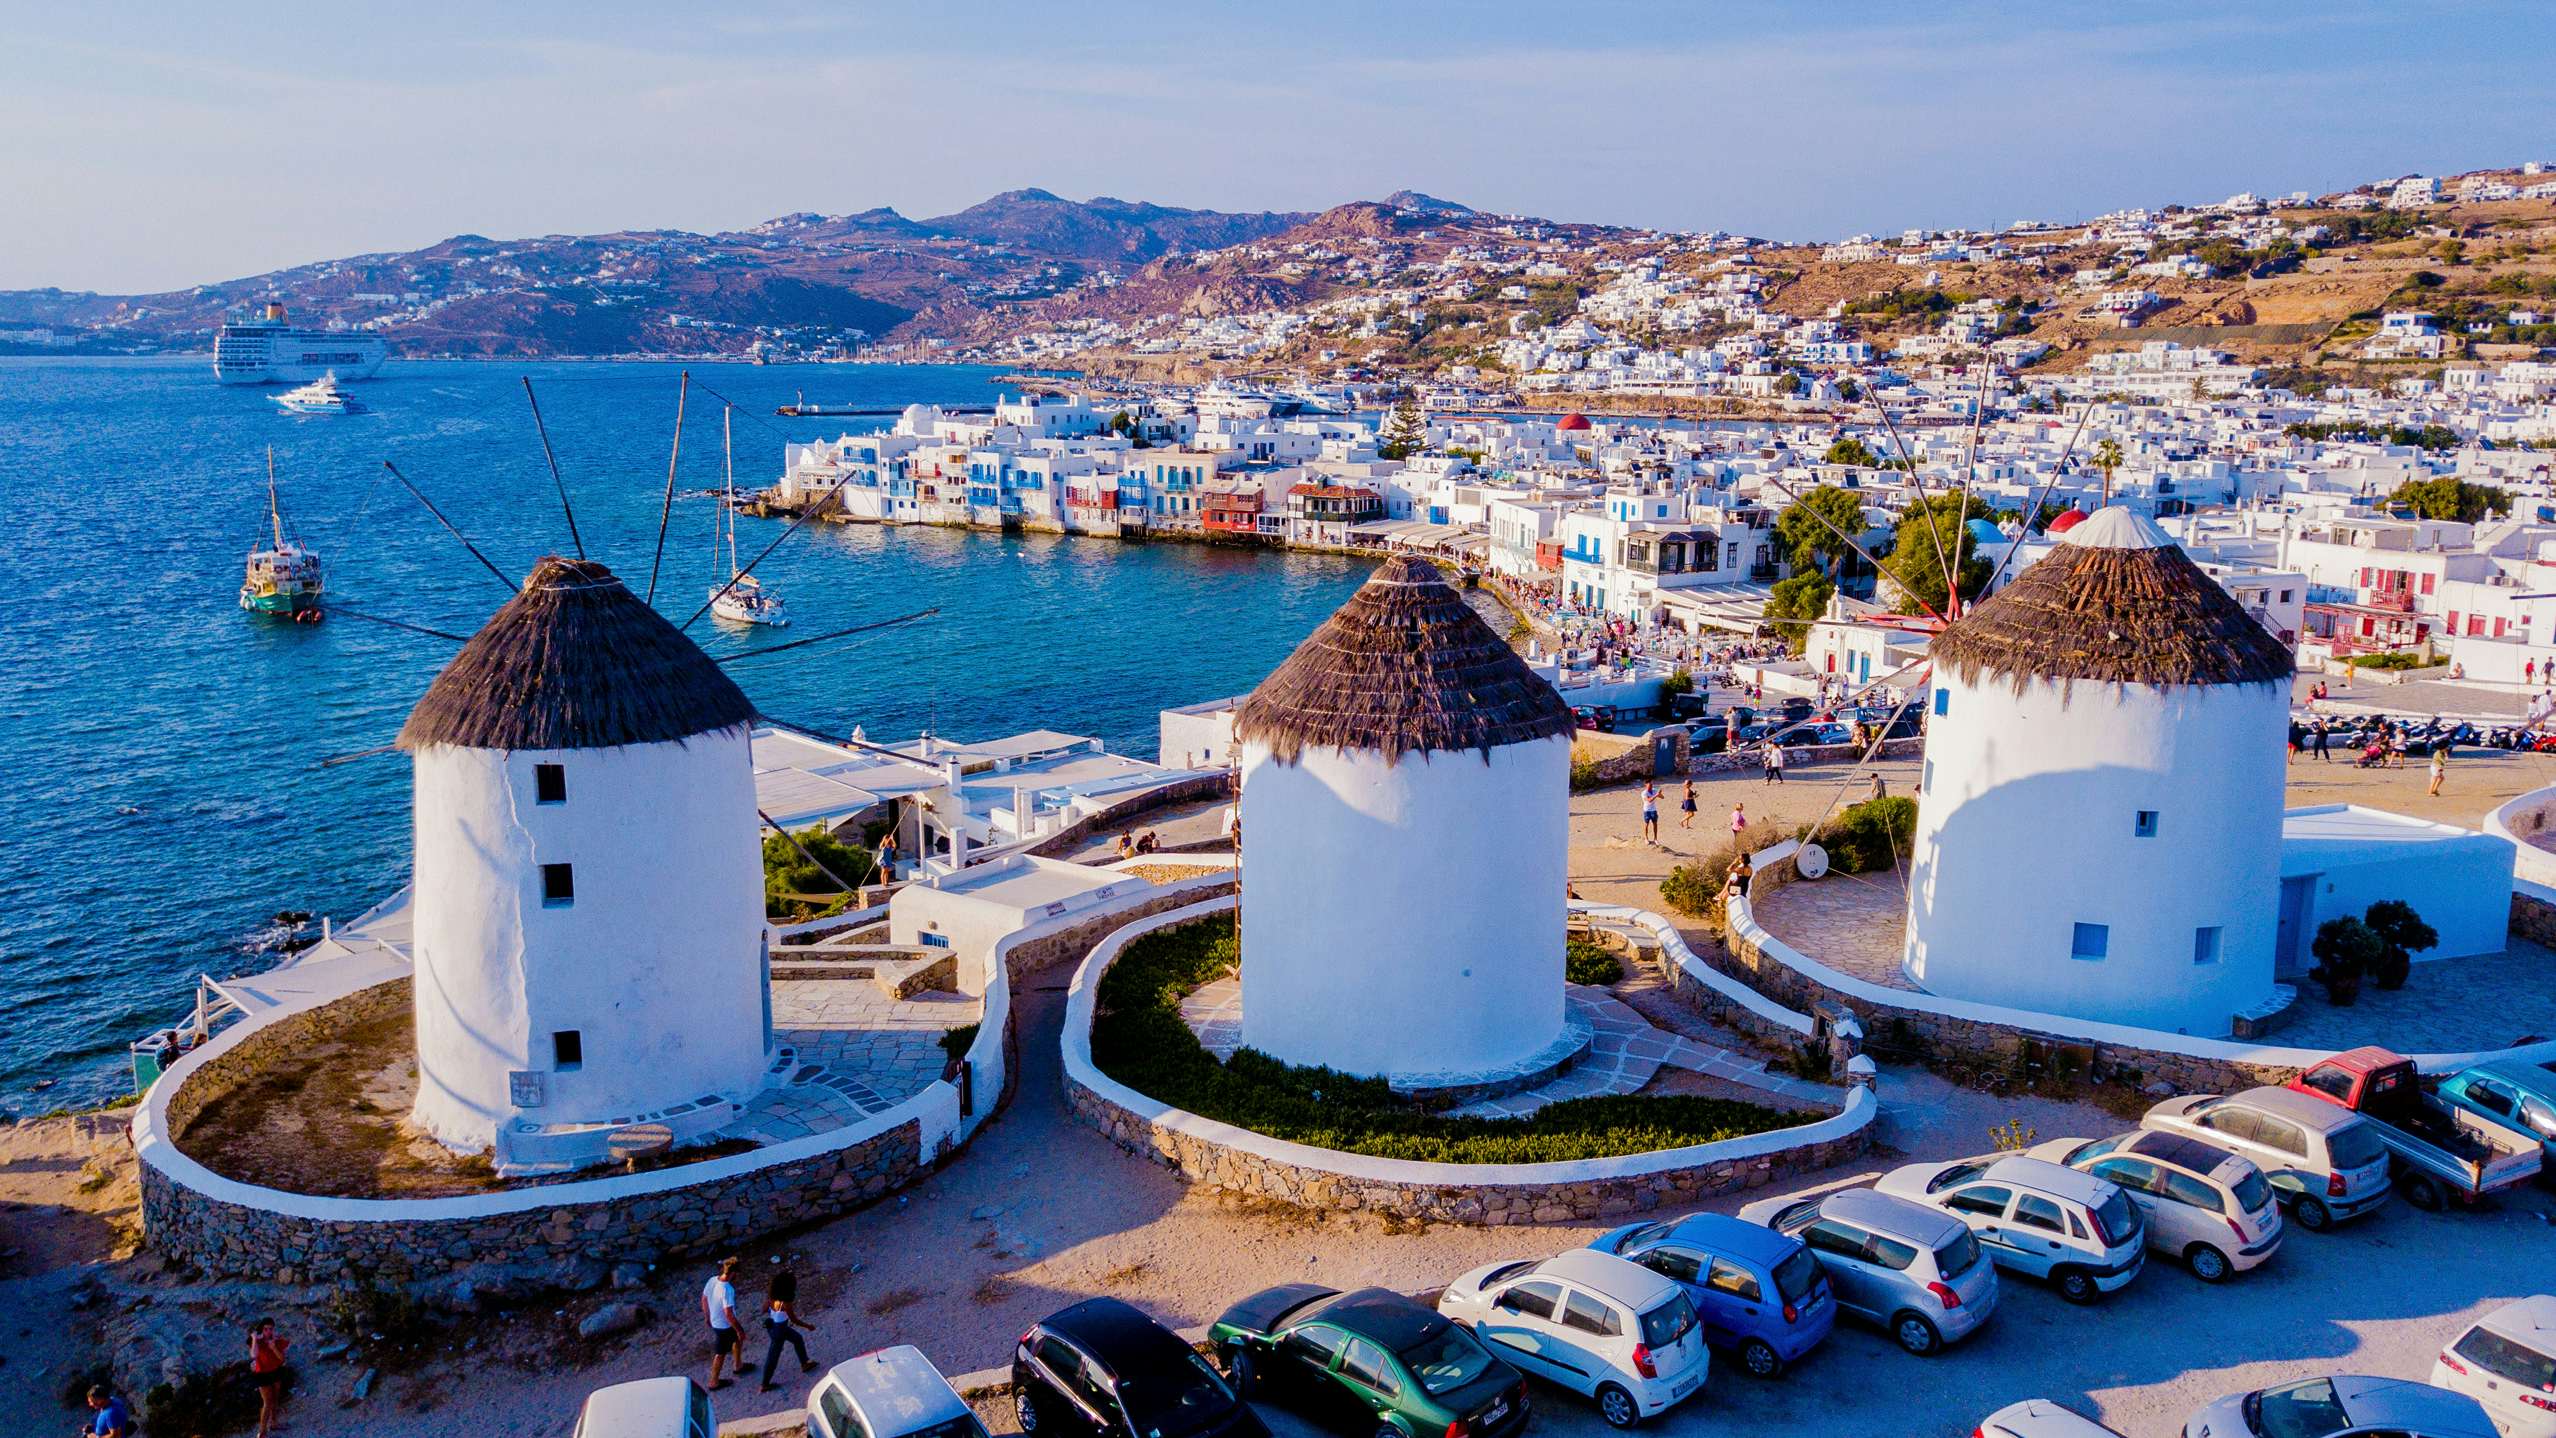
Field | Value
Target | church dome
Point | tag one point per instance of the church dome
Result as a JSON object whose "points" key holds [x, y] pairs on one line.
{"points": [[1571, 422], [2115, 602], [2067, 520], [575, 661], [1404, 666]]}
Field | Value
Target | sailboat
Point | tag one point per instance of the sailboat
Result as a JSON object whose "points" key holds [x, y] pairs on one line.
{"points": [[283, 579], [741, 598]]}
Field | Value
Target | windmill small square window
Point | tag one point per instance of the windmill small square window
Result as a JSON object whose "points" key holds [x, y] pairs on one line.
{"points": [[2091, 942], [567, 1050], [2205, 945], [558, 885], [550, 784], [2145, 825], [1943, 700]]}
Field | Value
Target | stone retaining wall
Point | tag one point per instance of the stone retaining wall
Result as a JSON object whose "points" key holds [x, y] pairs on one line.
{"points": [[1055, 846], [1222, 1156], [1622, 758]]}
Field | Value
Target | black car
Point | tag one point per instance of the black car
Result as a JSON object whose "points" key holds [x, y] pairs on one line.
{"points": [[1101, 1369]]}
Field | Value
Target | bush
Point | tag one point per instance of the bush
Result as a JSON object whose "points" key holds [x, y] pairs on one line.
{"points": [[794, 889], [1693, 890], [1584, 771], [218, 1400], [956, 1041], [2346, 949], [2401, 934], [1680, 681], [1585, 961], [1871, 836], [2392, 659], [1138, 1039]]}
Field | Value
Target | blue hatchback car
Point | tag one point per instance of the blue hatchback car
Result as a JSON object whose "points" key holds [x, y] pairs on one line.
{"points": [[1759, 1292]]}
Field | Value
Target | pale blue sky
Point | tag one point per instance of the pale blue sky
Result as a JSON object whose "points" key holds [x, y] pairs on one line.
{"points": [[143, 151]]}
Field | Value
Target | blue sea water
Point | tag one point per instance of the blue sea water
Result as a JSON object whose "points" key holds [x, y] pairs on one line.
{"points": [[160, 790]]}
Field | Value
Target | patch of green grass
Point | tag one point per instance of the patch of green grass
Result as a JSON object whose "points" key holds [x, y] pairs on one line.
{"points": [[1138, 1039]]}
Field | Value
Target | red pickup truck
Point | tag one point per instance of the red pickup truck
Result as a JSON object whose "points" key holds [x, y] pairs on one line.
{"points": [[2441, 1151]]}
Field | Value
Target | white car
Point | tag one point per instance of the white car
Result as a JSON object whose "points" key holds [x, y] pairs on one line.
{"points": [[1592, 1322], [2039, 1418], [2205, 1207], [889, 1393], [2508, 1364], [2082, 1234], [668, 1407]]}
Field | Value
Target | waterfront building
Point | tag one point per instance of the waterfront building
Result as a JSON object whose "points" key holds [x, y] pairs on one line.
{"points": [[589, 934], [1405, 810]]}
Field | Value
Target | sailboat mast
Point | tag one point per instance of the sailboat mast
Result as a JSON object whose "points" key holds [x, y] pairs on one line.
{"points": [[274, 513], [728, 498]]}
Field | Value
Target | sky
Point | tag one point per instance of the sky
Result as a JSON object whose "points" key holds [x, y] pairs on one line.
{"points": [[146, 148]]}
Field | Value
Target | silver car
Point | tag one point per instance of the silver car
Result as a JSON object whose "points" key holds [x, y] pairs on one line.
{"points": [[889, 1393], [2205, 1207], [2324, 1161], [2341, 1405], [1915, 1271], [2040, 1418]]}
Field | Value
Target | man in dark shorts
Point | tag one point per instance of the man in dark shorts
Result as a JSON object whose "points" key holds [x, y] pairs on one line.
{"points": [[719, 1305], [266, 1370]]}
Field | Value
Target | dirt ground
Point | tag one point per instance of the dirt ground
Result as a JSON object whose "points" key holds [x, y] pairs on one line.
{"points": [[1040, 1211]]}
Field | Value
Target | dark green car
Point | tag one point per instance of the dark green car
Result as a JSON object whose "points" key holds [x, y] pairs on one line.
{"points": [[1372, 1364]]}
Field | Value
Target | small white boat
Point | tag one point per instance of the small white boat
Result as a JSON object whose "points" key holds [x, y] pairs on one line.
{"points": [[741, 599], [320, 396]]}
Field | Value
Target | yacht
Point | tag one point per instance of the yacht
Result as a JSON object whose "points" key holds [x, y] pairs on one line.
{"points": [[741, 598], [283, 578], [264, 348], [320, 396]]}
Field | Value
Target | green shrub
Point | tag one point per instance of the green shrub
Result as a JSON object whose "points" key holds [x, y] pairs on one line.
{"points": [[956, 1042], [795, 889], [1680, 681], [1871, 836], [1584, 771], [219, 1400], [1585, 961], [1693, 890], [2401, 934], [1139, 1040], [2346, 950], [2393, 659]]}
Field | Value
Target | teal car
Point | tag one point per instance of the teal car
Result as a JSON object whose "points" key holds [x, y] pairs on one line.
{"points": [[1368, 1364], [2520, 1094]]}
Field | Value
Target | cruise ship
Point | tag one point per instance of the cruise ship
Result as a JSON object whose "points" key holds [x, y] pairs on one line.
{"points": [[265, 349]]}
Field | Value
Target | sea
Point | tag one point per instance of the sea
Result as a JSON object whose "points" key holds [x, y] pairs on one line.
{"points": [[175, 773]]}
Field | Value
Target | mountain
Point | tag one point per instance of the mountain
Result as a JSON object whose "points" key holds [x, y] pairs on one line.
{"points": [[1426, 204], [808, 281]]}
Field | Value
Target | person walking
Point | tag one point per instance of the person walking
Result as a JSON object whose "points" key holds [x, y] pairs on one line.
{"points": [[109, 1415], [1650, 811], [719, 1305], [1739, 823], [2324, 738], [2440, 769], [266, 1370], [781, 1324], [1774, 762], [1881, 787], [1686, 806]]}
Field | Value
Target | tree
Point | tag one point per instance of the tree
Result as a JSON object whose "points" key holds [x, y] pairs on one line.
{"points": [[1811, 544], [2107, 457], [1928, 534], [2401, 934], [1848, 390], [2345, 949], [2449, 498], [1850, 450], [1788, 383], [1405, 433], [1793, 603]]}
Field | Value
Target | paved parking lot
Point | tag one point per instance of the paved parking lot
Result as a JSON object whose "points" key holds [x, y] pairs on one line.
{"points": [[2379, 1297]]}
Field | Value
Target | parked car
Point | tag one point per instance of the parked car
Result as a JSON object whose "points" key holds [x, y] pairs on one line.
{"points": [[2507, 1362], [2513, 1092], [2325, 1164], [2444, 1152], [668, 1407], [2344, 1404], [1596, 1324], [1101, 1369], [2039, 1418], [1909, 1268], [2206, 1208], [1368, 1362], [889, 1393], [2041, 1220], [1759, 1293]]}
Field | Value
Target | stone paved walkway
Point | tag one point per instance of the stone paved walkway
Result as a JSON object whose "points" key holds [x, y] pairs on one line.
{"points": [[1854, 923], [858, 1053], [1625, 1052]]}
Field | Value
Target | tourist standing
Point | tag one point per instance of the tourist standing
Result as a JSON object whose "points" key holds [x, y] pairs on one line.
{"points": [[1650, 811], [1881, 789], [1739, 823], [2324, 737], [266, 1370], [719, 1305], [2440, 768], [781, 1324], [109, 1416], [1686, 806]]}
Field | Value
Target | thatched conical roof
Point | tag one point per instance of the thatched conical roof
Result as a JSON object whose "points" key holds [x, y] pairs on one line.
{"points": [[1405, 666], [2117, 602], [576, 661]]}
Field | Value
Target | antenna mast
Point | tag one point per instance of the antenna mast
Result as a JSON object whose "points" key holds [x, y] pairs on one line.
{"points": [[274, 513]]}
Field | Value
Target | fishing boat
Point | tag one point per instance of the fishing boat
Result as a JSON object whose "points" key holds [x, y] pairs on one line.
{"points": [[740, 598], [320, 396], [283, 578]]}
